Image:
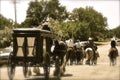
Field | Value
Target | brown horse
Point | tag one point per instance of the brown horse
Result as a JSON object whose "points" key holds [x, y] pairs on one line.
{"points": [[91, 56], [71, 55], [113, 53], [59, 52], [79, 55]]}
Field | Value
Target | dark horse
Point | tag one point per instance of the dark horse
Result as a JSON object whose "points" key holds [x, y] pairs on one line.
{"points": [[113, 53], [79, 55], [71, 55], [59, 53], [75, 55]]}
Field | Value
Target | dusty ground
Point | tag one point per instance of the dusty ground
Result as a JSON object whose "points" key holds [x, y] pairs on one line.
{"points": [[102, 71]]}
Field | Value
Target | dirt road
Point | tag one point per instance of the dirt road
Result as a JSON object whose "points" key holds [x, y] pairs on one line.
{"points": [[102, 71]]}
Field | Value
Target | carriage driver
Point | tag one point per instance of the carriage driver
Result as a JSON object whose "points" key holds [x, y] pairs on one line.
{"points": [[49, 43], [49, 40], [93, 46]]}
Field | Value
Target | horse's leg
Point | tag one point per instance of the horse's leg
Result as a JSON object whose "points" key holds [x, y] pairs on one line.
{"points": [[57, 67], [92, 58], [71, 58], [110, 61], [71, 61], [62, 68], [82, 58], [68, 58], [95, 61], [77, 59], [89, 59], [115, 61]]}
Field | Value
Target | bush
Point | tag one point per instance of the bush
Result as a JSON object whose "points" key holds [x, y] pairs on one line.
{"points": [[4, 43]]}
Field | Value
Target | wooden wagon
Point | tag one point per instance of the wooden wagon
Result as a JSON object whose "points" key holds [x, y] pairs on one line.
{"points": [[31, 47]]}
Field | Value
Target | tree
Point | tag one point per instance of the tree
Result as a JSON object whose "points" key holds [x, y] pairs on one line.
{"points": [[96, 23], [39, 11], [6, 26], [116, 32], [4, 22]]}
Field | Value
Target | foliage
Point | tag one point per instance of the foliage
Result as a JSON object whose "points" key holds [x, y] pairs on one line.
{"points": [[116, 32], [81, 23], [6, 26], [4, 22], [40, 11], [96, 23]]}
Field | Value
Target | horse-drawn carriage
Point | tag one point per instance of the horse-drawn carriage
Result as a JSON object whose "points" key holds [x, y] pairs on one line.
{"points": [[30, 49]]}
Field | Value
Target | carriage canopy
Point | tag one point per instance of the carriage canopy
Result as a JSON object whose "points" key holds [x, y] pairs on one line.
{"points": [[31, 42]]}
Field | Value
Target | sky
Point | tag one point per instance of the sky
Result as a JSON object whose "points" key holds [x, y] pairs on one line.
{"points": [[108, 8]]}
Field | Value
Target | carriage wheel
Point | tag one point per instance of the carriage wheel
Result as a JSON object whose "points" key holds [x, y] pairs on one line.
{"points": [[46, 72], [25, 70], [47, 66], [11, 67]]}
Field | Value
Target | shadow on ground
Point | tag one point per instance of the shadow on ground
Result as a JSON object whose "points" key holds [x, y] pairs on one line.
{"points": [[41, 77]]}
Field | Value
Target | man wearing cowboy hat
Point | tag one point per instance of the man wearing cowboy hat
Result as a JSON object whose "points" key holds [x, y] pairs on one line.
{"points": [[92, 46], [45, 26]]}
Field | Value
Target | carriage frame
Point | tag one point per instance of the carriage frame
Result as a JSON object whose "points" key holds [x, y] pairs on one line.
{"points": [[30, 49]]}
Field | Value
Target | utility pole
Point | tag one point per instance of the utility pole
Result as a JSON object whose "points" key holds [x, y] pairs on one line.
{"points": [[0, 7], [15, 11]]}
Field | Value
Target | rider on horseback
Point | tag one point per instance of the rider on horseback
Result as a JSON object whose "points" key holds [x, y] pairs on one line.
{"points": [[92, 46], [113, 53], [113, 45]]}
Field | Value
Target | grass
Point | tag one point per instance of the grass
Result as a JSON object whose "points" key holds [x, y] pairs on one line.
{"points": [[100, 43]]}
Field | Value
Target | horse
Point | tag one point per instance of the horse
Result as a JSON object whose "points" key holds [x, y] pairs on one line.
{"points": [[59, 52], [91, 56], [113, 53], [79, 55], [71, 55]]}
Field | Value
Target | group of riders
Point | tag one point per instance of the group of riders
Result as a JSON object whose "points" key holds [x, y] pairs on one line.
{"points": [[87, 50], [79, 51], [75, 52]]}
